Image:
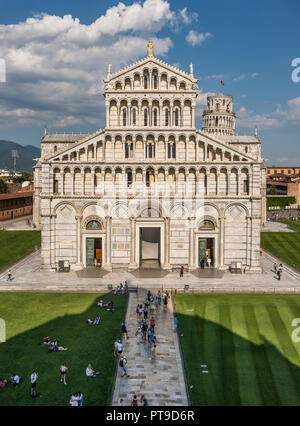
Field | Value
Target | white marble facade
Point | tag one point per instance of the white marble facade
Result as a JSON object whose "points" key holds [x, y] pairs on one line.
{"points": [[85, 184]]}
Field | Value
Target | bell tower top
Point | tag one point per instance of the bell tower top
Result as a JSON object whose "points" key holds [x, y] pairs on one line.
{"points": [[150, 48]]}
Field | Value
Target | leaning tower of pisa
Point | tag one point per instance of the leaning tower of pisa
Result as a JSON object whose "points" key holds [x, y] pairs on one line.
{"points": [[219, 119]]}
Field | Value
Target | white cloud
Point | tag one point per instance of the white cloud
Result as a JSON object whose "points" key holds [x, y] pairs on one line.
{"points": [[55, 65], [195, 38], [188, 17], [293, 112], [246, 118], [254, 75], [214, 76], [240, 77]]}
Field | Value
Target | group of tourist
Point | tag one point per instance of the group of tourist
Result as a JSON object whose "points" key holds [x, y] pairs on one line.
{"points": [[278, 270], [122, 289]]}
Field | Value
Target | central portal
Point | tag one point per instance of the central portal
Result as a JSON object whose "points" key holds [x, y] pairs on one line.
{"points": [[149, 247]]}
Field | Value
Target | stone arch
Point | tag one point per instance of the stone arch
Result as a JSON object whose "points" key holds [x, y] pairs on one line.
{"points": [[92, 208], [92, 218], [64, 203]]}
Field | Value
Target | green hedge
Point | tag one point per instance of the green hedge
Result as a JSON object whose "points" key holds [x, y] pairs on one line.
{"points": [[280, 201]]}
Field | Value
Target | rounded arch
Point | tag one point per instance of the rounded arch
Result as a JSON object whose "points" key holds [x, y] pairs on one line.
{"points": [[93, 223], [237, 204], [62, 204]]}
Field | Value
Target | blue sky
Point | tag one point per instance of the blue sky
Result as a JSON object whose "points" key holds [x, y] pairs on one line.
{"points": [[55, 65]]}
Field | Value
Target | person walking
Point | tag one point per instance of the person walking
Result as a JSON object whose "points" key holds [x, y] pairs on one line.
{"points": [[175, 323], [275, 268], [134, 401], [9, 276], [208, 262], [181, 271], [202, 262], [33, 379], [143, 401], [139, 335], [63, 372], [122, 364], [124, 329], [278, 275]]}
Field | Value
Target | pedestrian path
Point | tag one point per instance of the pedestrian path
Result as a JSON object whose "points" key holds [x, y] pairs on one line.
{"points": [[160, 379]]}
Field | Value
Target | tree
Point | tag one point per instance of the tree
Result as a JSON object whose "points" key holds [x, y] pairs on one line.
{"points": [[273, 190], [3, 187]]}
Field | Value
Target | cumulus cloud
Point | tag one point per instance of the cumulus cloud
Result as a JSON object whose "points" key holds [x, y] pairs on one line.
{"points": [[195, 38], [55, 65], [246, 118]]}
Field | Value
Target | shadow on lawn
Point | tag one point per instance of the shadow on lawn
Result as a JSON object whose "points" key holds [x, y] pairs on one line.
{"points": [[240, 372], [86, 344]]}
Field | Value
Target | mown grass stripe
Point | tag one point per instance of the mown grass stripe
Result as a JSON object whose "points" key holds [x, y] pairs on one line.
{"points": [[191, 326], [213, 354], [230, 378], [287, 347], [279, 366], [262, 367], [249, 389]]}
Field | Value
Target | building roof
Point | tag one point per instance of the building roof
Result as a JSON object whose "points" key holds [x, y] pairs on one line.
{"points": [[241, 139], [62, 137], [16, 195]]}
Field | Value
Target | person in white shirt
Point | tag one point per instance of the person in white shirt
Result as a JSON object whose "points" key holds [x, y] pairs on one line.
{"points": [[15, 380], [74, 401], [208, 262], [90, 372], [119, 347], [33, 378]]}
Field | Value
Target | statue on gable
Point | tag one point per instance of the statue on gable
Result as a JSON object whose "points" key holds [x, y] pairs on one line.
{"points": [[150, 48]]}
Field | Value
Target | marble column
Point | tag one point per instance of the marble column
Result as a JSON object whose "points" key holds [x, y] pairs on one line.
{"points": [[167, 242], [132, 243]]}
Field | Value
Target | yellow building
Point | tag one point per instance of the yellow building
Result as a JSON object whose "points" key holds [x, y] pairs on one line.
{"points": [[277, 170]]}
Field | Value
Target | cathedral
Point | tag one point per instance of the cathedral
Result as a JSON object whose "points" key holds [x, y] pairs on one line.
{"points": [[150, 190]]}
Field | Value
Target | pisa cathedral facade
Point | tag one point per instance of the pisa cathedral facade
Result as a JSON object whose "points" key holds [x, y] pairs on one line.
{"points": [[151, 188]]}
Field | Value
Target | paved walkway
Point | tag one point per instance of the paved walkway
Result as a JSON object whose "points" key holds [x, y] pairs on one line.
{"points": [[18, 224], [160, 379], [29, 277]]}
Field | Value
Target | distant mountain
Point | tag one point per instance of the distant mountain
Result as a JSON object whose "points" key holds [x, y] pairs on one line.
{"points": [[26, 154]]}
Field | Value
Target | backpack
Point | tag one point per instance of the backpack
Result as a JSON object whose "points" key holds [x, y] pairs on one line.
{"points": [[121, 363]]}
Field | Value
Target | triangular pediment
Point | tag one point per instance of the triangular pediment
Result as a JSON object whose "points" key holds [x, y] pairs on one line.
{"points": [[150, 62]]}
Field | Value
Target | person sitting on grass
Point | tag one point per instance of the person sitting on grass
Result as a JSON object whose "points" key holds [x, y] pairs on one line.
{"points": [[89, 321], [74, 401], [90, 372], [96, 320], [15, 380], [3, 383], [100, 304], [47, 340], [54, 347]]}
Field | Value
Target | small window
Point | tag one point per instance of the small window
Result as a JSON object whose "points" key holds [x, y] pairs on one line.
{"points": [[176, 117], [289, 172], [145, 117], [134, 116], [166, 117], [55, 148], [155, 117], [246, 149], [124, 117]]}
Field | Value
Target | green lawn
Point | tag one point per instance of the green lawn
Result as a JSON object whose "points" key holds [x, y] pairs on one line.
{"points": [[31, 316], [285, 245], [246, 343], [16, 244]]}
